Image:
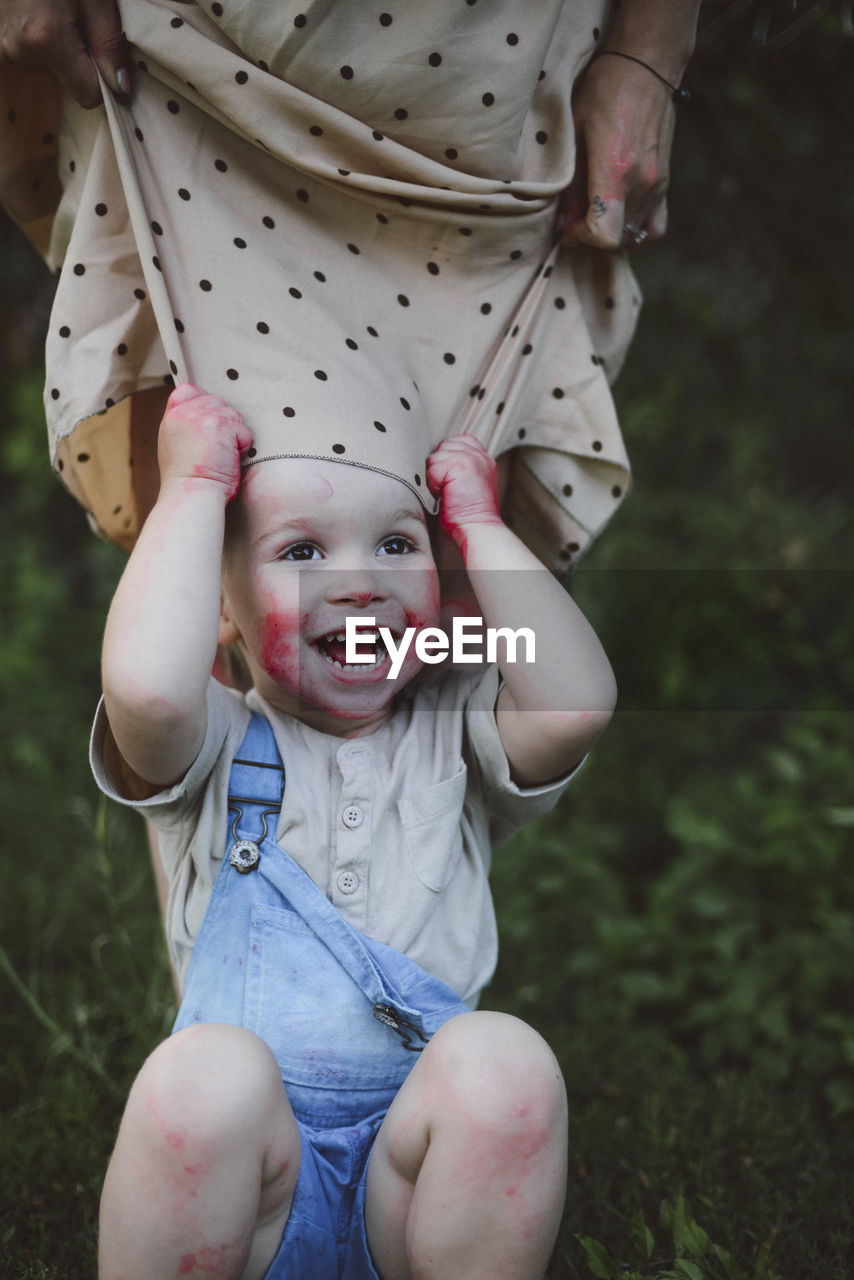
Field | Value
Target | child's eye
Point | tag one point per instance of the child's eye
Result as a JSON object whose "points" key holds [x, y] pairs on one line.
{"points": [[395, 546], [301, 551]]}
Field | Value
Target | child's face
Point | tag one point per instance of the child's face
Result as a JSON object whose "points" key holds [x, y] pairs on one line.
{"points": [[310, 544]]}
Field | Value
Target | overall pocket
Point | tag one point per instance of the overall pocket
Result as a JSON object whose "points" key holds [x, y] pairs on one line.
{"points": [[315, 1017]]}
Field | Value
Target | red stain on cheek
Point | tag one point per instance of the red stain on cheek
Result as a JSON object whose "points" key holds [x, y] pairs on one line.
{"points": [[415, 620], [279, 641]]}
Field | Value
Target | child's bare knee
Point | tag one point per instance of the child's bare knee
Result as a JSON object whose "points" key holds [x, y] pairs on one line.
{"points": [[209, 1083], [503, 1073]]}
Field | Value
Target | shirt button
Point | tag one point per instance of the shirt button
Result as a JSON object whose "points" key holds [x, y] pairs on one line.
{"points": [[352, 816], [348, 882]]}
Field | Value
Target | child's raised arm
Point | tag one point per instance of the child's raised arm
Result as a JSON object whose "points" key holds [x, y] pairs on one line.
{"points": [[161, 634], [549, 712]]}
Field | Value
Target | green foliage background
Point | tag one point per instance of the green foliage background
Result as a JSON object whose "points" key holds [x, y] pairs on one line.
{"points": [[682, 929]]}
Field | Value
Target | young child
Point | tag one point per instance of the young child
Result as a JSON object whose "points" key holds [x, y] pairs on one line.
{"points": [[330, 1105]]}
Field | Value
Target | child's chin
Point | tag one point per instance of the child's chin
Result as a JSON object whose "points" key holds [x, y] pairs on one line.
{"points": [[354, 699]]}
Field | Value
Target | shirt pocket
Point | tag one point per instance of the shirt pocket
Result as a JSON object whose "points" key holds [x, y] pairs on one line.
{"points": [[432, 825]]}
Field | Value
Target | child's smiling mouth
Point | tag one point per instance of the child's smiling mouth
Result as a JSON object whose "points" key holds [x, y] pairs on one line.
{"points": [[333, 648]]}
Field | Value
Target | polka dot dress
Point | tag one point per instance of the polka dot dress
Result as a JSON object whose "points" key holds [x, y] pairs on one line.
{"points": [[342, 219]]}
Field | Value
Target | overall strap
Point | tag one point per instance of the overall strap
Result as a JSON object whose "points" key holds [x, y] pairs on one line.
{"points": [[256, 788]]}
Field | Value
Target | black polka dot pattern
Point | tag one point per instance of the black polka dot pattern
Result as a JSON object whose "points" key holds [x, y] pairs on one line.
{"points": [[204, 211]]}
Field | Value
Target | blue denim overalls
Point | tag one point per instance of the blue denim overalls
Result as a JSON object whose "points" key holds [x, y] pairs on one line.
{"points": [[343, 1015]]}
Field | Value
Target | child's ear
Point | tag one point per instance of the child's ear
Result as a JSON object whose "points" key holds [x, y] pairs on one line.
{"points": [[229, 632]]}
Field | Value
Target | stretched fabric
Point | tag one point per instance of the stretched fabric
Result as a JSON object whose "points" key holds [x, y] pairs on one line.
{"points": [[344, 218]]}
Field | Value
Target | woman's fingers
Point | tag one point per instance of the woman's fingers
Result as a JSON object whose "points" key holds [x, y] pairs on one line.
{"points": [[624, 130], [65, 36]]}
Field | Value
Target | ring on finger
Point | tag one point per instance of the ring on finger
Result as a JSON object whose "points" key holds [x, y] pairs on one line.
{"points": [[634, 235]]}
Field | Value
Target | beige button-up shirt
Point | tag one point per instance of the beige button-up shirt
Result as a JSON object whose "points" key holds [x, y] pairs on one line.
{"points": [[396, 828]]}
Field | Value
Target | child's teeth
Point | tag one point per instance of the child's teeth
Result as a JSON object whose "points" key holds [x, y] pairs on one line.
{"points": [[381, 654]]}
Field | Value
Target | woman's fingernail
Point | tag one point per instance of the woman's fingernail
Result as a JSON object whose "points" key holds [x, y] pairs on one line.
{"points": [[123, 81]]}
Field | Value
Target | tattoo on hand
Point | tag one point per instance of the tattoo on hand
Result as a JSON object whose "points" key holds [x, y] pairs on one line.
{"points": [[599, 207]]}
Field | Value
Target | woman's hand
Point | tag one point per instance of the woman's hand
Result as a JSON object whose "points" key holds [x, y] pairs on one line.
{"points": [[624, 119], [69, 37], [202, 438]]}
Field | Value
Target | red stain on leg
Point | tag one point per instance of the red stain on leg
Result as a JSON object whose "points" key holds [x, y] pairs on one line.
{"points": [[221, 1260]]}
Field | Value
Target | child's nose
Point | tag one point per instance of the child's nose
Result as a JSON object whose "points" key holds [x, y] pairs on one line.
{"points": [[359, 591]]}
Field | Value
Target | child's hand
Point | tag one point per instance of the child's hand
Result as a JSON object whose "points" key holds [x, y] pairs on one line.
{"points": [[202, 438], [464, 476]]}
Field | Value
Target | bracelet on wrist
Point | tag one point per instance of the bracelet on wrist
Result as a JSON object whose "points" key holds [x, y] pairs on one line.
{"points": [[677, 94]]}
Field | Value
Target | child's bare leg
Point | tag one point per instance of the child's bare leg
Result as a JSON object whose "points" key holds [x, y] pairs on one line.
{"points": [[468, 1173], [203, 1173]]}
